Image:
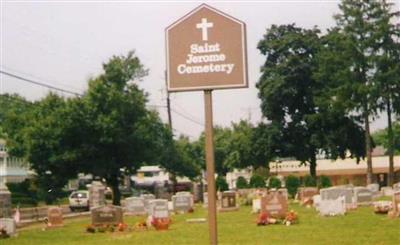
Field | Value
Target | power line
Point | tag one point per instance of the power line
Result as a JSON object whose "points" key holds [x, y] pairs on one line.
{"points": [[39, 83], [187, 117]]}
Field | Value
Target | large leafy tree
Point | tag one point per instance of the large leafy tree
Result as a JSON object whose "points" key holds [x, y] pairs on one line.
{"points": [[117, 133], [349, 58], [293, 99]]}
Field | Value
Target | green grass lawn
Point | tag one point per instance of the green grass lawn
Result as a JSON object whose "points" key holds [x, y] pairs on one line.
{"points": [[357, 227]]}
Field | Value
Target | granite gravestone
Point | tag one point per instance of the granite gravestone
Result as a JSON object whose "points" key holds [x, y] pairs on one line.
{"points": [[135, 206], [182, 203], [205, 199], [256, 205], [396, 187], [334, 193], [374, 188], [333, 207], [387, 191], [159, 208], [396, 201], [9, 226], [306, 194], [97, 194], [228, 201], [317, 201], [274, 204], [147, 198], [107, 215], [54, 217], [363, 195], [5, 202]]}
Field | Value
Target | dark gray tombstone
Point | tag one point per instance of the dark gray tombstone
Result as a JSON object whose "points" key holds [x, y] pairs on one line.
{"points": [[5, 202], [107, 215], [228, 201], [97, 194], [363, 195], [135, 206], [9, 226]]}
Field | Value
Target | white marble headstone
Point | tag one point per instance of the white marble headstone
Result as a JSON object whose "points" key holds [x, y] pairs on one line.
{"points": [[333, 207], [9, 225]]}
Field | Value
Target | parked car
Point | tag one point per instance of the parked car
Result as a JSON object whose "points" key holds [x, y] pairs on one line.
{"points": [[79, 200]]}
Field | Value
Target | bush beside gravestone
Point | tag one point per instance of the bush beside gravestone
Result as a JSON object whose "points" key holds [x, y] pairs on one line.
{"points": [[23, 194], [257, 181], [324, 182], [274, 182], [221, 184], [292, 183], [241, 183], [309, 181]]}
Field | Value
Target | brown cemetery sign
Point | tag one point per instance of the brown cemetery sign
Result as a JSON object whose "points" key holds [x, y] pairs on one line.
{"points": [[206, 49]]}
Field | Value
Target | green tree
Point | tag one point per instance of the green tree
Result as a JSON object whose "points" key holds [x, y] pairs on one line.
{"points": [[349, 66], [292, 183], [293, 99], [221, 184], [118, 133], [257, 181], [309, 181], [324, 182], [274, 182], [241, 183], [381, 138], [388, 72]]}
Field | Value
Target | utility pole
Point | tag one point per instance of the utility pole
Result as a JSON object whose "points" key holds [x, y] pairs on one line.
{"points": [[168, 103]]}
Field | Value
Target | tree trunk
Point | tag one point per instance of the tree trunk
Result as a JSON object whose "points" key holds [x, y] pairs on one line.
{"points": [[313, 166], [390, 145], [114, 183], [368, 149]]}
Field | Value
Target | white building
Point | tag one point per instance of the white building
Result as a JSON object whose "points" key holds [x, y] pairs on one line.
{"points": [[12, 169]]}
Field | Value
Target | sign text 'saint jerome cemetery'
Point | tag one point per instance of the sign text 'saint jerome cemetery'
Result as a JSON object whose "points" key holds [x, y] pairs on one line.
{"points": [[206, 49]]}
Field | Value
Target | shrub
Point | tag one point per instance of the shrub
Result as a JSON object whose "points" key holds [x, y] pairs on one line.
{"points": [[292, 184], [324, 181], [221, 184], [256, 181], [309, 181], [241, 183], [274, 182]]}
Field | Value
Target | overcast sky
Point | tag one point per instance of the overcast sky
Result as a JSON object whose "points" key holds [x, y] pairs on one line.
{"points": [[63, 43]]}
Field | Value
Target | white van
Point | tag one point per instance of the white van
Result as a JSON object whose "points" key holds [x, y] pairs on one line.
{"points": [[79, 200]]}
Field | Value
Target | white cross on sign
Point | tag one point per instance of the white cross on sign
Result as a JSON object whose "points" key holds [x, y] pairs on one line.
{"points": [[204, 25]]}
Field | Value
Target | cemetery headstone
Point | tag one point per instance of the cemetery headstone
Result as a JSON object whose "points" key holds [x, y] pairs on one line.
{"points": [[159, 208], [317, 201], [97, 194], [182, 203], [135, 206], [333, 207], [5, 202], [256, 205], [9, 225], [374, 188], [396, 187], [228, 201], [334, 193], [395, 212], [147, 198], [275, 205], [107, 215], [54, 217], [363, 195], [387, 191], [205, 199], [306, 194]]}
